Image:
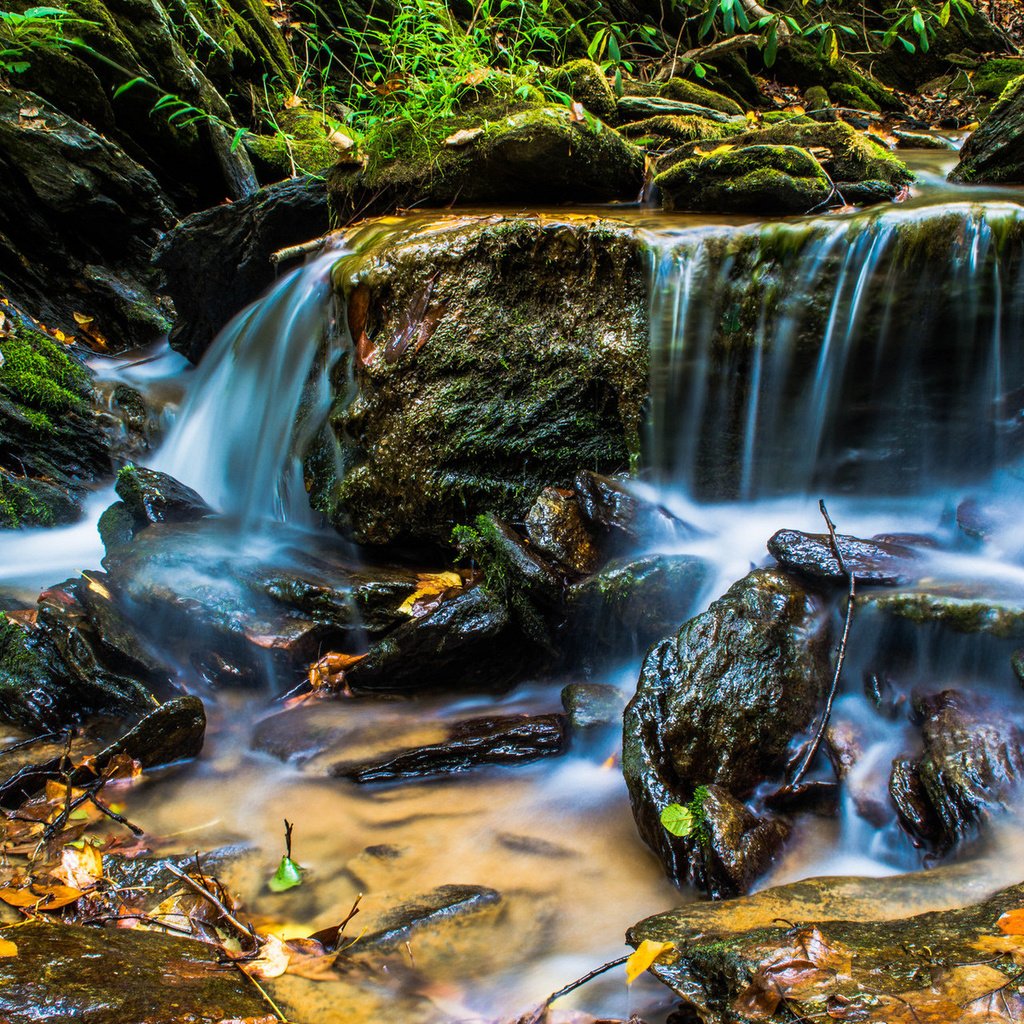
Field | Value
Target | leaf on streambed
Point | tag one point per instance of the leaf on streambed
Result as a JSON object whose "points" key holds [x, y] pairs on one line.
{"points": [[327, 677], [81, 867], [8, 948], [646, 954], [431, 589], [40, 897], [287, 876], [271, 963], [678, 820], [1012, 922]]}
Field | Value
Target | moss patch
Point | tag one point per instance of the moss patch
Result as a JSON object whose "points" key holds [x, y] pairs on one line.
{"points": [[691, 92]]}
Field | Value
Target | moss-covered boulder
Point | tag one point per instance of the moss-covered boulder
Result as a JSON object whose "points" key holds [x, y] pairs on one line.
{"points": [[586, 83], [995, 152], [671, 129], [992, 77], [720, 703], [752, 179], [693, 92], [495, 356]]}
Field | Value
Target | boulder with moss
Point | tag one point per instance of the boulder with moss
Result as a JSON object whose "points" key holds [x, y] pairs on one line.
{"points": [[752, 179], [586, 83], [693, 92], [672, 130], [494, 357], [995, 152]]}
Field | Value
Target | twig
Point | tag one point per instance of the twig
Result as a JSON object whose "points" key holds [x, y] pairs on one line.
{"points": [[206, 894], [292, 252], [538, 1014], [28, 743], [111, 813], [263, 992], [841, 657]]}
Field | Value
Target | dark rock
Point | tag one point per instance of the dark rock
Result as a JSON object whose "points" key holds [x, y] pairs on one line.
{"points": [[611, 505], [982, 520], [510, 739], [1017, 664], [811, 555], [593, 704], [218, 261], [556, 528], [755, 664], [737, 965], [154, 497], [632, 602], [456, 646], [958, 609], [995, 152], [971, 765], [116, 527], [687, 91], [524, 358], [922, 140], [635, 108], [118, 976], [867, 193]]}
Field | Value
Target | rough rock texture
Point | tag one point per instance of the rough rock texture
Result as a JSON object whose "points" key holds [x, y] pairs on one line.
{"points": [[721, 702], [557, 529], [218, 261], [692, 92], [958, 609], [770, 179], [811, 555], [155, 497], [495, 357], [971, 766], [995, 152], [114, 976], [586, 83]]}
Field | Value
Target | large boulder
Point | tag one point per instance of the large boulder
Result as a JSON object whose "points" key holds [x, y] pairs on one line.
{"points": [[494, 356], [995, 152], [720, 703]]}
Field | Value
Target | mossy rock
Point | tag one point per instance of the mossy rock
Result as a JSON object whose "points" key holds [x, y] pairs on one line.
{"points": [[671, 128], [845, 95], [692, 92], [995, 75], [995, 152], [817, 98], [497, 356], [300, 145], [586, 83], [752, 179]]}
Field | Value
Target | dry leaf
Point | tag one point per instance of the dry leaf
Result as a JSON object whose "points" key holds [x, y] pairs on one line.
{"points": [[476, 76], [80, 868], [8, 948], [40, 897], [81, 319], [576, 112], [271, 963], [1012, 922], [292, 102], [645, 954], [429, 585]]}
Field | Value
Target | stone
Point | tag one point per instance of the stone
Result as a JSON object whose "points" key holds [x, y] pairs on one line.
{"points": [[120, 976], [750, 179], [590, 705], [722, 701], [867, 193], [557, 529], [155, 497], [693, 92], [614, 507], [873, 562], [586, 83], [994, 153], [958, 608], [470, 744], [922, 140], [636, 108]]}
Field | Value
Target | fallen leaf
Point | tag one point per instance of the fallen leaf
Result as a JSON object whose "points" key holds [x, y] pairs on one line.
{"points": [[645, 954], [8, 948], [463, 136], [271, 963], [287, 876], [81, 319], [429, 585], [476, 76], [40, 897], [292, 102], [1012, 922], [81, 868], [678, 820], [576, 112]]}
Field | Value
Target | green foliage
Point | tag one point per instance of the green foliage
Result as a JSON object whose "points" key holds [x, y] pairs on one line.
{"points": [[20, 507], [38, 28], [40, 376], [688, 820]]}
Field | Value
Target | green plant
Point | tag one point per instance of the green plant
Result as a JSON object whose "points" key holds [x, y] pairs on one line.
{"points": [[38, 28], [920, 21], [690, 819], [614, 45]]}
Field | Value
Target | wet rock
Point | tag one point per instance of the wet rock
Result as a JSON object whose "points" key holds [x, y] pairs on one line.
{"points": [[217, 261], [867, 193], [995, 152], [155, 497], [750, 179], [611, 505], [503, 740], [586, 83], [811, 555], [971, 765], [116, 527], [874, 968], [721, 702], [524, 358], [636, 108], [463, 643], [118, 976], [922, 140], [443, 906], [557, 529], [666, 130], [632, 602], [982, 520], [588, 705], [959, 610]]}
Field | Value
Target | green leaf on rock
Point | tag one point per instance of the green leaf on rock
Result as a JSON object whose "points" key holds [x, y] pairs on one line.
{"points": [[678, 820], [287, 876]]}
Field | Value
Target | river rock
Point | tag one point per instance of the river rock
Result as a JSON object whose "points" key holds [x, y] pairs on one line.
{"points": [[586, 83], [636, 108], [501, 740], [496, 355], [631, 603], [614, 507], [811, 555], [557, 529], [971, 765], [957, 607], [590, 705], [693, 92], [721, 702], [982, 520], [843, 949], [118, 976], [155, 497], [995, 151], [749, 179], [217, 261]]}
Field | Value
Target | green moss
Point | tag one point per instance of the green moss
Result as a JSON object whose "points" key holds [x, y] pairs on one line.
{"points": [[691, 92], [992, 78], [17, 662], [672, 128], [19, 506], [852, 96], [40, 376], [585, 82], [817, 98], [698, 813]]}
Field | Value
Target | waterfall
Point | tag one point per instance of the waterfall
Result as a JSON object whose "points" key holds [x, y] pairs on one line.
{"points": [[863, 353]]}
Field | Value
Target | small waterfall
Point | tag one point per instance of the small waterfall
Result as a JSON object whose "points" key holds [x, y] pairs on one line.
{"points": [[842, 353], [234, 438]]}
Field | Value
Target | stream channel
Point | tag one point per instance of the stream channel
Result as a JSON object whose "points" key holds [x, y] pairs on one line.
{"points": [[880, 371]]}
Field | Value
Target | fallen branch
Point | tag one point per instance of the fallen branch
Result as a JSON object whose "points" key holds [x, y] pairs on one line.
{"points": [[538, 1015], [201, 890], [292, 252], [112, 814], [845, 569]]}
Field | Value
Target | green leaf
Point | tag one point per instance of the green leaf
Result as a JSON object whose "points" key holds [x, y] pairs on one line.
{"points": [[917, 21], [613, 47], [678, 820], [46, 12], [287, 876], [771, 47], [699, 70], [907, 45], [127, 85], [240, 134]]}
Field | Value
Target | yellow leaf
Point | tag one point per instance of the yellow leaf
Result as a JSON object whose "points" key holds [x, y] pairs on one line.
{"points": [[463, 136], [8, 948], [82, 319], [1012, 922], [431, 584], [97, 588], [81, 868], [271, 963], [292, 101], [646, 953]]}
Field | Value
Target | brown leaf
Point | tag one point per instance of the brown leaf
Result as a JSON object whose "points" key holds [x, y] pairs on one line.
{"points": [[1012, 922], [8, 948], [40, 897]]}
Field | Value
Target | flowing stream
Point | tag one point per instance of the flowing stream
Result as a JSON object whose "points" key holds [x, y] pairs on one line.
{"points": [[789, 361]]}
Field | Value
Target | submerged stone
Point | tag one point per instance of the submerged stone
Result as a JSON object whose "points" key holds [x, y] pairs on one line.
{"points": [[590, 705], [721, 702]]}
